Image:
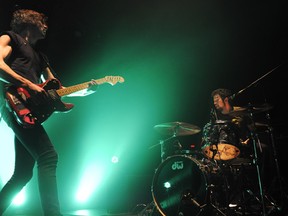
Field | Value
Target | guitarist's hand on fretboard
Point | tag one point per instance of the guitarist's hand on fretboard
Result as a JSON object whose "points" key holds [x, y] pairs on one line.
{"points": [[92, 88], [85, 92]]}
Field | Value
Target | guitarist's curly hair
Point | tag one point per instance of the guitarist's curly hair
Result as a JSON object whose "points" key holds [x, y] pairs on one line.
{"points": [[23, 17]]}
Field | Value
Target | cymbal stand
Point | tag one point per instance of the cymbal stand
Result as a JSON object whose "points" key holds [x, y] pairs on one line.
{"points": [[255, 138], [161, 143], [275, 157]]}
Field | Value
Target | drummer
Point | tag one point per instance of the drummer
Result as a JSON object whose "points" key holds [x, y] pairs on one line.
{"points": [[225, 110], [223, 113]]}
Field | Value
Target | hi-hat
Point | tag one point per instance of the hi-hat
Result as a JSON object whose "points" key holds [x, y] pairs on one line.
{"points": [[177, 129], [247, 110]]}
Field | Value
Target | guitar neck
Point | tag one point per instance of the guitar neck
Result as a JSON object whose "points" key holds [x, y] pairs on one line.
{"points": [[71, 89]]}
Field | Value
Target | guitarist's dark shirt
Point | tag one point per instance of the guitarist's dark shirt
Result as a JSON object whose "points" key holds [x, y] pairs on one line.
{"points": [[24, 60]]}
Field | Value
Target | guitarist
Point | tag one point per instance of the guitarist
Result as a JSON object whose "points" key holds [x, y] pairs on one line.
{"points": [[22, 65]]}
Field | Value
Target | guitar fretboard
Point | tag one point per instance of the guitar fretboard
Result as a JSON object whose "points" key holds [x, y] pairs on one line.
{"points": [[71, 89]]}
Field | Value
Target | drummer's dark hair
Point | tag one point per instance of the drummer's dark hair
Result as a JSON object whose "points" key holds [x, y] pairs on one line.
{"points": [[223, 93]]}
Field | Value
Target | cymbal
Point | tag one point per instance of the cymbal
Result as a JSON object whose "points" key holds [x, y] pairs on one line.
{"points": [[241, 111], [261, 124], [177, 129]]}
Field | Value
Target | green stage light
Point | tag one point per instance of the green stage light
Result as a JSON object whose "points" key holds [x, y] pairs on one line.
{"points": [[6, 153], [20, 198], [7, 160], [115, 159], [91, 178], [82, 212]]}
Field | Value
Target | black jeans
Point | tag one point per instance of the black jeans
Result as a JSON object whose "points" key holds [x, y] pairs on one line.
{"points": [[32, 145]]}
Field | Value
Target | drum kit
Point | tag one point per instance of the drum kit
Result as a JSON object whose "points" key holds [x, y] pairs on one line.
{"points": [[215, 179]]}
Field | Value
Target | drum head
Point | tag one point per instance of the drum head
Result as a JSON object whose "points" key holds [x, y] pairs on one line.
{"points": [[179, 185], [221, 151], [221, 141]]}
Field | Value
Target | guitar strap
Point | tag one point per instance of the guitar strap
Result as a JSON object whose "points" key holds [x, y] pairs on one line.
{"points": [[45, 59]]}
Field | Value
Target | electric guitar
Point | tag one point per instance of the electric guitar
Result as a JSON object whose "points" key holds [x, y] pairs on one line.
{"points": [[31, 108]]}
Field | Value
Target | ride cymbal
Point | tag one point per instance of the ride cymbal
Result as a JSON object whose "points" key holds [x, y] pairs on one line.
{"points": [[177, 129], [241, 111]]}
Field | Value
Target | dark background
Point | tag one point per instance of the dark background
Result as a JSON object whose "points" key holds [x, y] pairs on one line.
{"points": [[191, 47]]}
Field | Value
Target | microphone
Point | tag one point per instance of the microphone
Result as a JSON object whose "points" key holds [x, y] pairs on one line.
{"points": [[235, 94], [231, 97]]}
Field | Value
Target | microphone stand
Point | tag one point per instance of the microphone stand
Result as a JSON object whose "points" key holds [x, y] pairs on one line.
{"points": [[256, 81], [254, 136]]}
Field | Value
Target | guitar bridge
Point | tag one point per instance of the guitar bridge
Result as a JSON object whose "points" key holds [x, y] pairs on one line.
{"points": [[21, 112]]}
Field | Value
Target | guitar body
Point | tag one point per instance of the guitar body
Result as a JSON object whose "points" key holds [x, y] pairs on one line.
{"points": [[32, 108]]}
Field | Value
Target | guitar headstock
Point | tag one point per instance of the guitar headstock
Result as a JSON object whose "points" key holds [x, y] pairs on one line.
{"points": [[114, 79]]}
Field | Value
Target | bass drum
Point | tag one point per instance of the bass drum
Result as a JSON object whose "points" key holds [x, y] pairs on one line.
{"points": [[182, 185]]}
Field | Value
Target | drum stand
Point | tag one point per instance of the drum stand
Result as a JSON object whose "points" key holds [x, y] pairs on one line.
{"points": [[206, 209], [210, 207], [256, 162]]}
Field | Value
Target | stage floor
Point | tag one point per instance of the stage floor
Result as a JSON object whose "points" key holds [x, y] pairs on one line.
{"points": [[86, 212], [82, 212]]}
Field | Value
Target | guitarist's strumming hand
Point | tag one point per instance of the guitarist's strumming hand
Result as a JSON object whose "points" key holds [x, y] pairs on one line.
{"points": [[35, 87], [38, 94]]}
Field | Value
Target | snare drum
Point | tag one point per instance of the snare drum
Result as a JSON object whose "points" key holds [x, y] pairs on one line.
{"points": [[221, 140]]}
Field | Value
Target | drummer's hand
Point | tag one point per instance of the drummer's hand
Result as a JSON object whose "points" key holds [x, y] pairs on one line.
{"points": [[245, 142], [237, 121]]}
